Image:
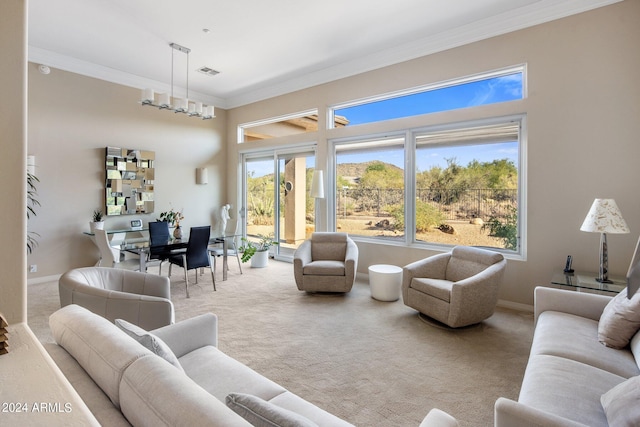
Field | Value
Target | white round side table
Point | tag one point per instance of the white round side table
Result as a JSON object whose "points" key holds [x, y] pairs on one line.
{"points": [[385, 282]]}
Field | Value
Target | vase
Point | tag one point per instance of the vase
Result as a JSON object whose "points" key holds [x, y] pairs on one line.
{"points": [[96, 225], [177, 233], [260, 259]]}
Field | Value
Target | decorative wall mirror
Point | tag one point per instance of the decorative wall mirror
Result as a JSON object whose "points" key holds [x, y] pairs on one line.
{"points": [[130, 181]]}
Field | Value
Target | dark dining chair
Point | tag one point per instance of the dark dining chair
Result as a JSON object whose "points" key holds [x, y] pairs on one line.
{"points": [[196, 256], [158, 238]]}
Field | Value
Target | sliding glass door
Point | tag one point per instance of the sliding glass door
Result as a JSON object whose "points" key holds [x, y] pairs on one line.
{"points": [[276, 194]]}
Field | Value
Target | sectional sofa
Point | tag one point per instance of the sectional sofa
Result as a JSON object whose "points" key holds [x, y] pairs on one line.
{"points": [[573, 379], [124, 383]]}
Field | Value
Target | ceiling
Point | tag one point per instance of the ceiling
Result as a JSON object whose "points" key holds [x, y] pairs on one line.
{"points": [[263, 48]]}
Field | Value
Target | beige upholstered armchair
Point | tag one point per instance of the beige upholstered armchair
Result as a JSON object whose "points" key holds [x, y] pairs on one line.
{"points": [[140, 298], [326, 263], [459, 288]]}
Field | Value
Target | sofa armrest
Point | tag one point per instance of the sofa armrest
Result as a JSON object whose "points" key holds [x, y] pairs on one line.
{"points": [[438, 418], [301, 257], [190, 334], [509, 413], [434, 267], [581, 304], [351, 260]]}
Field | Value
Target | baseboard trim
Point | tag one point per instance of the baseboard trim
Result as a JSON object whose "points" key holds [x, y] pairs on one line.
{"points": [[43, 279], [515, 306]]}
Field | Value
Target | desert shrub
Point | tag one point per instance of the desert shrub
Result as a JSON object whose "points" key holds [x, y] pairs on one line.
{"points": [[427, 216], [261, 212], [507, 230]]}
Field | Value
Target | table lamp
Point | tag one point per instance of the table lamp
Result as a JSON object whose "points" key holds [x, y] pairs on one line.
{"points": [[604, 217]]}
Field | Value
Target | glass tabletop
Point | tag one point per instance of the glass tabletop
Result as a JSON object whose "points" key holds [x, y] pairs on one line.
{"points": [[588, 281]]}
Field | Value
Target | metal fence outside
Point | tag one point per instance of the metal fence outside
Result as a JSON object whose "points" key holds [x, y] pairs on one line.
{"points": [[455, 204]]}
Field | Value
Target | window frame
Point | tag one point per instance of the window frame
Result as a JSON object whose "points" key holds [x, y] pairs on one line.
{"points": [[410, 152], [459, 81], [270, 120]]}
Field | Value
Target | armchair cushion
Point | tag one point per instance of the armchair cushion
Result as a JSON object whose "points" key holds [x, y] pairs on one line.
{"points": [[329, 246], [325, 268], [437, 288], [467, 262]]}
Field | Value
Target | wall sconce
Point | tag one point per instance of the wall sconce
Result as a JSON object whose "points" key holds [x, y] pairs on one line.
{"points": [[202, 176], [317, 185]]}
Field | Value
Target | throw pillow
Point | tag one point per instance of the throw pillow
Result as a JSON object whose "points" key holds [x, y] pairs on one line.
{"points": [[620, 320], [621, 404], [150, 341], [260, 413]]}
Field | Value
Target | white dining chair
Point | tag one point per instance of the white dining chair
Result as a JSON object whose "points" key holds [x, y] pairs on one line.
{"points": [[231, 231], [110, 256]]}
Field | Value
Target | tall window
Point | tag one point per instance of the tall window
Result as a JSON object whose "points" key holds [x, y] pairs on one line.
{"points": [[370, 187], [467, 186], [462, 186]]}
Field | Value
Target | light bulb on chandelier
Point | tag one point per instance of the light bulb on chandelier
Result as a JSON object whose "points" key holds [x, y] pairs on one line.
{"points": [[176, 104]]}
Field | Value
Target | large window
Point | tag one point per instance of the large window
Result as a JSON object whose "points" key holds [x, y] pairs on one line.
{"points": [[453, 185], [482, 89], [467, 186], [370, 187]]}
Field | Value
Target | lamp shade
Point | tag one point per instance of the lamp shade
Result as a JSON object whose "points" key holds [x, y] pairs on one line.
{"points": [[604, 217], [317, 185]]}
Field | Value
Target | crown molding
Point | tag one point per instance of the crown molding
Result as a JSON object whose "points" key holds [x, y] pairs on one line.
{"points": [[528, 16], [534, 14], [89, 69]]}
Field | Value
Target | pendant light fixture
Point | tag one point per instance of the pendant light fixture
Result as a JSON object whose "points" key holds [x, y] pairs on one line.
{"points": [[170, 102]]}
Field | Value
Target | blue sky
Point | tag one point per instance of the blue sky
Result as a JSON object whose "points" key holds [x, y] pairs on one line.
{"points": [[426, 159], [488, 91]]}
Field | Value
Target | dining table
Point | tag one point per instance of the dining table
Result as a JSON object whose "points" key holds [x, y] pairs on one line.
{"points": [[141, 245]]}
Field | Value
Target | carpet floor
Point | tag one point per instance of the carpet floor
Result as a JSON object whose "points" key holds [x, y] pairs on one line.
{"points": [[369, 362]]}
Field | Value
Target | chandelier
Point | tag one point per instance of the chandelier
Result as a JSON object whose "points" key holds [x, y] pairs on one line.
{"points": [[169, 102]]}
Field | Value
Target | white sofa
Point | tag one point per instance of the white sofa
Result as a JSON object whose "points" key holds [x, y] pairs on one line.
{"points": [[569, 370], [123, 383]]}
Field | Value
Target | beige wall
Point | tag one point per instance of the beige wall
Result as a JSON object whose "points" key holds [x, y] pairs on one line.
{"points": [[583, 110], [13, 161], [71, 120]]}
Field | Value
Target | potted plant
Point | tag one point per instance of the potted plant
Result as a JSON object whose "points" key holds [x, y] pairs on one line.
{"points": [[257, 252], [173, 218], [97, 222]]}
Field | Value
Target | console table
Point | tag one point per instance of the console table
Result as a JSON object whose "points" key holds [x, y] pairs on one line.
{"points": [[34, 391], [588, 281]]}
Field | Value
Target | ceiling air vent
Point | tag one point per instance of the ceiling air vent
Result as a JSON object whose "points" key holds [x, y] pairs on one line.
{"points": [[208, 71]]}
